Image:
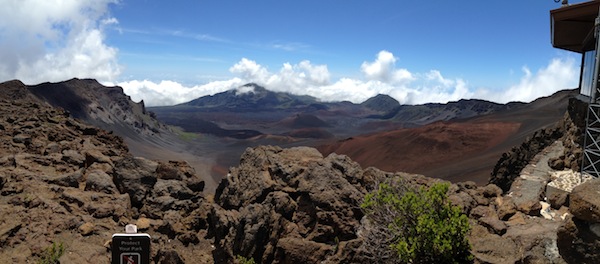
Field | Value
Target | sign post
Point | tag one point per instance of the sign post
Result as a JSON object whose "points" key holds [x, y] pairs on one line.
{"points": [[130, 247]]}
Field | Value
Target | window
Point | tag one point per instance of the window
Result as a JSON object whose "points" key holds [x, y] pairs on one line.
{"points": [[587, 72]]}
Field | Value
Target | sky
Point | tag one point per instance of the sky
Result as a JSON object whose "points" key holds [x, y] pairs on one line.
{"points": [[170, 52]]}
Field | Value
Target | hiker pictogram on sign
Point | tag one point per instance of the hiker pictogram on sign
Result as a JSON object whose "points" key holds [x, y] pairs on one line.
{"points": [[130, 258]]}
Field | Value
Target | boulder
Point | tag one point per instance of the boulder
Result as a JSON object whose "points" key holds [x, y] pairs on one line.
{"points": [[584, 201], [493, 224], [463, 200], [143, 223], [22, 139], [482, 211], [168, 257], [557, 197], [577, 243], [99, 181], [491, 248], [73, 157], [505, 207], [526, 193], [94, 155], [536, 240], [136, 177], [174, 170], [297, 250], [66, 180], [87, 228], [491, 190]]}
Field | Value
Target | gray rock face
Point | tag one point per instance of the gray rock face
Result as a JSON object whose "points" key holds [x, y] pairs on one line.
{"points": [[286, 205], [99, 181], [136, 177]]}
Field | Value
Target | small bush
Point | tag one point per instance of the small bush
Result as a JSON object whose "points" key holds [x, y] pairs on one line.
{"points": [[244, 260], [415, 225], [52, 253]]}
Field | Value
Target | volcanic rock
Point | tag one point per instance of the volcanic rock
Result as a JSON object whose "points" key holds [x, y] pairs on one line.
{"points": [[585, 202], [577, 242], [279, 203]]}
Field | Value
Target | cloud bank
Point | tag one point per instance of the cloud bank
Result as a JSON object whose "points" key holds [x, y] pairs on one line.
{"points": [[380, 76], [56, 40]]}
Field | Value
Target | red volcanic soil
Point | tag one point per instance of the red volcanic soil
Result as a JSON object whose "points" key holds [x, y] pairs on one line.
{"points": [[465, 150], [452, 151]]}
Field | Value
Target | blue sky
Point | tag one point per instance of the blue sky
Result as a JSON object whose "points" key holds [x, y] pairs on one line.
{"points": [[168, 52]]}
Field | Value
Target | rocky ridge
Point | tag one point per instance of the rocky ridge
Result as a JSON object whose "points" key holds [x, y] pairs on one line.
{"points": [[64, 181], [99, 105]]}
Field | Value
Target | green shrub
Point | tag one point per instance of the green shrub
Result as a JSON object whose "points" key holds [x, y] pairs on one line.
{"points": [[244, 260], [52, 253], [415, 225]]}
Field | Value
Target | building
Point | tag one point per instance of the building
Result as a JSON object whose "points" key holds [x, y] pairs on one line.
{"points": [[573, 28]]}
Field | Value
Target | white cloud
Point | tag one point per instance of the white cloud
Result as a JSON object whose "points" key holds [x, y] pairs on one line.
{"points": [[244, 90], [380, 77], [56, 40], [290, 46], [384, 69], [171, 93], [296, 78], [560, 73], [250, 70]]}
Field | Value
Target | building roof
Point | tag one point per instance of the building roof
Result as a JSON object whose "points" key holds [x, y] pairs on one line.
{"points": [[571, 26]]}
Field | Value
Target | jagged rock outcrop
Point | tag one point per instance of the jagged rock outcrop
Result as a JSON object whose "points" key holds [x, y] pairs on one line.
{"points": [[288, 206], [106, 107]]}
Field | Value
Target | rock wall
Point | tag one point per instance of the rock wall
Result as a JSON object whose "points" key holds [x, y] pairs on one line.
{"points": [[569, 131]]}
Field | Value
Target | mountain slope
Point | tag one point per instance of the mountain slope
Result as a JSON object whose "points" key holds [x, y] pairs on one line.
{"points": [[458, 141], [111, 109], [251, 97], [381, 103], [254, 108], [97, 104], [460, 150]]}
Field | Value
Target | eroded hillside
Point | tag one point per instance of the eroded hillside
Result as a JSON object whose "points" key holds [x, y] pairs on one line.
{"points": [[62, 181]]}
